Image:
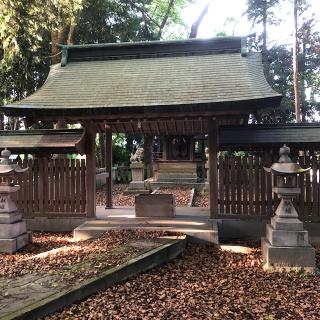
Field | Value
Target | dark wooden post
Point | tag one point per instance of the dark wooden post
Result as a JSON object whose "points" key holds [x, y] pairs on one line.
{"points": [[147, 146], [213, 146], [108, 157], [90, 169]]}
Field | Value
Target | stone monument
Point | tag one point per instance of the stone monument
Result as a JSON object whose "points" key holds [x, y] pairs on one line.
{"points": [[13, 231], [137, 184], [286, 246]]}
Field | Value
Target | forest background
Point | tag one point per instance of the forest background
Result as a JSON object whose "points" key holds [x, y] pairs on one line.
{"points": [[30, 30]]}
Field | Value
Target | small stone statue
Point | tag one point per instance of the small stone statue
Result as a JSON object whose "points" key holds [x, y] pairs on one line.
{"points": [[137, 156]]}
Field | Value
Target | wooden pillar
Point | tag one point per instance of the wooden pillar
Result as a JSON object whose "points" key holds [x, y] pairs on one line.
{"points": [[147, 157], [213, 145], [108, 163], [90, 169], [165, 147]]}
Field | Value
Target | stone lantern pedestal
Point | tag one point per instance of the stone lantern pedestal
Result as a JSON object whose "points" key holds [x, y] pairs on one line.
{"points": [[13, 231], [286, 246]]}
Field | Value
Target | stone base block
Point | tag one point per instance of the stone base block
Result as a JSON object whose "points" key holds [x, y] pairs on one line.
{"points": [[136, 191], [136, 185], [10, 217], [286, 223], [13, 230], [12, 245], [155, 205], [287, 238], [287, 258]]}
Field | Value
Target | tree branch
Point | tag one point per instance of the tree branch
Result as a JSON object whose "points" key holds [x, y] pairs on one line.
{"points": [[165, 18], [196, 24]]}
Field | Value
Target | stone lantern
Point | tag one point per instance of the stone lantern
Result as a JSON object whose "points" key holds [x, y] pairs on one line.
{"points": [[13, 231], [286, 246]]}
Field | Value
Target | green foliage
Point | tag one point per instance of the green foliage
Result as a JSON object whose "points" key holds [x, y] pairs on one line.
{"points": [[23, 43], [120, 153]]}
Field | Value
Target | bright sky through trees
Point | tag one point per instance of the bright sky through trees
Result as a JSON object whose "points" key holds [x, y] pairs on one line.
{"points": [[227, 16]]}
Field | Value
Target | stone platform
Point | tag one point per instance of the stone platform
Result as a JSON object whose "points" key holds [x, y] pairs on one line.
{"points": [[194, 222]]}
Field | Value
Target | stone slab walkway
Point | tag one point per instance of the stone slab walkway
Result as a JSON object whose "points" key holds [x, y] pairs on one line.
{"points": [[35, 295]]}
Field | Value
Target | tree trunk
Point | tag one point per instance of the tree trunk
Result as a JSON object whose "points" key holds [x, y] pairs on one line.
{"points": [[57, 36], [165, 18], [264, 36], [102, 150], [295, 62], [302, 85], [1, 121], [196, 24]]}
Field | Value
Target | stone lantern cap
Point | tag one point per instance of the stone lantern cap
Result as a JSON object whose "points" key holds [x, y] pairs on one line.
{"points": [[285, 166], [7, 167]]}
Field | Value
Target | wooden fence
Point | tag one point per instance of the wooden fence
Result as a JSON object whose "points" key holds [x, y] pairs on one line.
{"points": [[245, 189], [52, 188], [123, 174]]}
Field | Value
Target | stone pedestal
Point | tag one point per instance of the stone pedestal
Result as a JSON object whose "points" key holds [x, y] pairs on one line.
{"points": [[13, 231], [137, 185], [286, 246]]}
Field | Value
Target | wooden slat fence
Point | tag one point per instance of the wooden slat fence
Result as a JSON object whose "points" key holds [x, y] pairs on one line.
{"points": [[245, 189], [123, 174], [54, 188]]}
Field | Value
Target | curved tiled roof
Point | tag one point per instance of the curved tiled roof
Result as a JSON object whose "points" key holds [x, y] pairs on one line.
{"points": [[204, 77]]}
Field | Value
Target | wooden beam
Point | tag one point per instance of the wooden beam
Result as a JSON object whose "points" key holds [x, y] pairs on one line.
{"points": [[131, 126], [213, 144], [201, 125], [157, 127], [90, 169], [166, 128], [108, 165]]}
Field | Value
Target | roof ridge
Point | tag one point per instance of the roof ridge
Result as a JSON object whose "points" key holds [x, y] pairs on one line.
{"points": [[147, 49]]}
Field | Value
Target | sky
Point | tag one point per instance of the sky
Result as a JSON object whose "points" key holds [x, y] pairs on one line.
{"points": [[220, 11]]}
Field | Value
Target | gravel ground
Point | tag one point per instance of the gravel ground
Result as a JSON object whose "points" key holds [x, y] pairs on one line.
{"points": [[118, 198], [26, 261], [181, 194], [201, 200], [206, 283]]}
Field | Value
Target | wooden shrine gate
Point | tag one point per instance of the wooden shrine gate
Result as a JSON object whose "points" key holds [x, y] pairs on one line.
{"points": [[245, 189], [52, 188]]}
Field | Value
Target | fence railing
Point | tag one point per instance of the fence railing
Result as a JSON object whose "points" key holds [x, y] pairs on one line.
{"points": [[245, 189], [52, 188], [123, 174]]}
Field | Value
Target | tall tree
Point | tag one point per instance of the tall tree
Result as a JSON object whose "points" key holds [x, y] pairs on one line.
{"points": [[196, 24], [262, 12], [295, 62], [23, 47]]}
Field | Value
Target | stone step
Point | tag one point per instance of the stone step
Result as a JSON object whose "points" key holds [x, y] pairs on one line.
{"points": [[201, 230]]}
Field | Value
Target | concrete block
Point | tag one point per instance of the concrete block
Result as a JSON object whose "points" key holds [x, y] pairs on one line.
{"points": [[287, 238], [278, 258], [136, 185], [10, 217], [12, 230], [8, 245], [22, 240], [286, 223], [53, 224], [155, 205]]}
